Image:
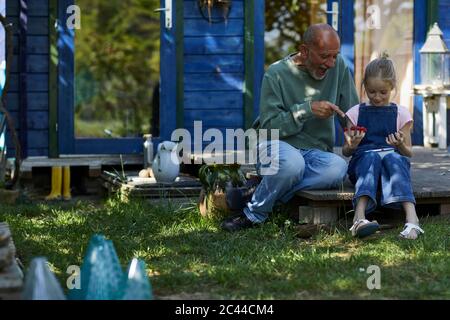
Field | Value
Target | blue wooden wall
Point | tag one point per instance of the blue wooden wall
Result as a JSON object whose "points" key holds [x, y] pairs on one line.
{"points": [[35, 71], [444, 19], [213, 69]]}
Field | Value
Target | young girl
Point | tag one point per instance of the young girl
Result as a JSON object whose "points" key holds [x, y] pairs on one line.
{"points": [[378, 137]]}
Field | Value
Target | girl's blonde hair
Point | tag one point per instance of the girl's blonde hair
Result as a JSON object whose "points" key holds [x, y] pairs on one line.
{"points": [[382, 68]]}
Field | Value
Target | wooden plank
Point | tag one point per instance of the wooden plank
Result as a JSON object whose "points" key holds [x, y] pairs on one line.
{"points": [[11, 280], [179, 34], [214, 82], [36, 120], [191, 10], [213, 45], [35, 64], [37, 101], [420, 30], [5, 234], [11, 277], [444, 209], [232, 118], [35, 45], [169, 72], [213, 100], [38, 8], [259, 57], [108, 146], [53, 81], [36, 82], [184, 186], [23, 81], [79, 160], [37, 152], [213, 63], [38, 138], [12, 8], [37, 26], [201, 27], [312, 215], [249, 49]]}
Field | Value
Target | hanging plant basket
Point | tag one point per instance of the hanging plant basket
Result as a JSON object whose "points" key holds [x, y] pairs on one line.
{"points": [[215, 11]]}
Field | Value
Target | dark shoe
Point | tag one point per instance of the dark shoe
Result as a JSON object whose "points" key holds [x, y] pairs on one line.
{"points": [[237, 223]]}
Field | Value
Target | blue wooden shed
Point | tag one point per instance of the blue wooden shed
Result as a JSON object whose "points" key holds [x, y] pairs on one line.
{"points": [[209, 72]]}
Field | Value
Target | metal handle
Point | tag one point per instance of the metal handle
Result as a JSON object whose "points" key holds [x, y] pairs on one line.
{"points": [[168, 13], [335, 15]]}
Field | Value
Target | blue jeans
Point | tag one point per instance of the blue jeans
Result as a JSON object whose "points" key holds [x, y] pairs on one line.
{"points": [[297, 170], [367, 169]]}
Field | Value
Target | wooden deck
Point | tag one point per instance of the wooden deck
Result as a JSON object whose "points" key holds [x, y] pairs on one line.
{"points": [[93, 162]]}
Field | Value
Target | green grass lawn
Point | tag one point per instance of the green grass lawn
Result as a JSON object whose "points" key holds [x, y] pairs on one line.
{"points": [[190, 257]]}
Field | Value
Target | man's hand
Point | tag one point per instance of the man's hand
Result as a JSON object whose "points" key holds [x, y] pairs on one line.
{"points": [[396, 139], [325, 109], [354, 136]]}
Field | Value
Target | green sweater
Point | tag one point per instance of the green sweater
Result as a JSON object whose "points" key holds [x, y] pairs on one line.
{"points": [[286, 94]]}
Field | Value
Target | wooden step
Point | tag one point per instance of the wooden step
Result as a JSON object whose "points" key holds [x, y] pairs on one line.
{"points": [[11, 276]]}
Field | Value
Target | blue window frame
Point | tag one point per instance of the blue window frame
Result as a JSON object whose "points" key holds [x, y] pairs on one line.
{"points": [[67, 142]]}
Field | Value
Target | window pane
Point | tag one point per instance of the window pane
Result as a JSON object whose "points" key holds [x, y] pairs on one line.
{"points": [[116, 67], [386, 26]]}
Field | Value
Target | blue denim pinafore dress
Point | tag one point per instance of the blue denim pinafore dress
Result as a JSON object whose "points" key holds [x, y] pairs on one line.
{"points": [[367, 168]]}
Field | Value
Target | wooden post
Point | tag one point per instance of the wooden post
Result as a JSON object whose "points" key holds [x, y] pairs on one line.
{"points": [[318, 215], [441, 122]]}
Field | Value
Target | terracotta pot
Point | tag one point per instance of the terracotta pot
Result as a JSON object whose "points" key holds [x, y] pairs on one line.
{"points": [[213, 204]]}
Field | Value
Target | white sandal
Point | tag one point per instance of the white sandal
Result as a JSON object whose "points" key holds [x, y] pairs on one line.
{"points": [[407, 229]]}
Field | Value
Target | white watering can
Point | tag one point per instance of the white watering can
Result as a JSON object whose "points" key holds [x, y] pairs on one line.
{"points": [[166, 165]]}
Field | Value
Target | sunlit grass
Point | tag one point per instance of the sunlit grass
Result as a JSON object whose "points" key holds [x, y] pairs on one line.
{"points": [[187, 254]]}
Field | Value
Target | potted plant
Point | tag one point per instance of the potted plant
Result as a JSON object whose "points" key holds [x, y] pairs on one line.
{"points": [[215, 180]]}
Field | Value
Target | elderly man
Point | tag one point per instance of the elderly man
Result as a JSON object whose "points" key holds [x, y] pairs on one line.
{"points": [[300, 95]]}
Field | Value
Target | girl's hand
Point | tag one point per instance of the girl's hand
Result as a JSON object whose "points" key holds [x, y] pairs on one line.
{"points": [[354, 136], [396, 139]]}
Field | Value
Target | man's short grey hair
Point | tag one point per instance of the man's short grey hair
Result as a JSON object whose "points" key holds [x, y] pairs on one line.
{"points": [[310, 35]]}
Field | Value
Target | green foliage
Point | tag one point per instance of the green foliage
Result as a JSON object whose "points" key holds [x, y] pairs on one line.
{"points": [[217, 177], [117, 62], [290, 19]]}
